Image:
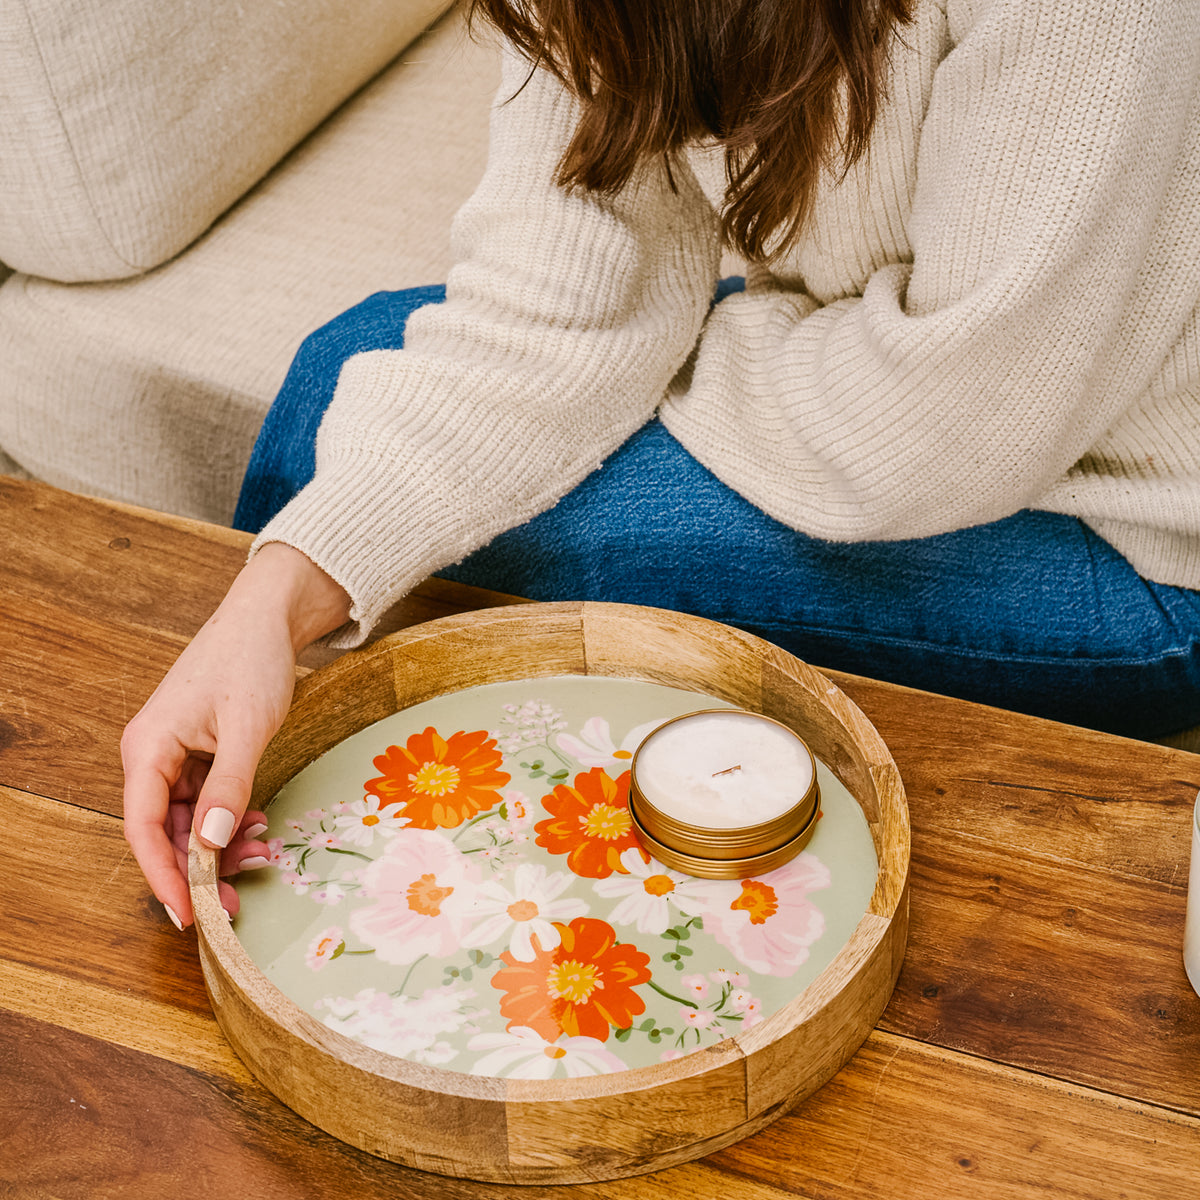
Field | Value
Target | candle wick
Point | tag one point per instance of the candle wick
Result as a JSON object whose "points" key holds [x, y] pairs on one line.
{"points": [[728, 770]]}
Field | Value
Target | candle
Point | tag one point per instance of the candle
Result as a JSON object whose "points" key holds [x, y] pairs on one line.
{"points": [[723, 769]]}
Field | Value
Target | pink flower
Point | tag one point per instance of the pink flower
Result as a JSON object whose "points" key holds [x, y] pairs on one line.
{"points": [[696, 984], [285, 860], [771, 923], [423, 889], [696, 1018], [324, 947]]}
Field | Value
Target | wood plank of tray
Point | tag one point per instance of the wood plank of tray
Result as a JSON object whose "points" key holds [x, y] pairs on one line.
{"points": [[1042, 1039]]}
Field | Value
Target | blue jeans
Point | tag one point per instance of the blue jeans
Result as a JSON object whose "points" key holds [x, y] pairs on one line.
{"points": [[1033, 613]]}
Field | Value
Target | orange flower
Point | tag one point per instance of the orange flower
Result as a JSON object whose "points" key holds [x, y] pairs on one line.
{"points": [[590, 823], [758, 899], [440, 781], [583, 987]]}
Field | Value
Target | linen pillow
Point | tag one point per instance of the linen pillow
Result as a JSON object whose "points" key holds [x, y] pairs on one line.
{"points": [[127, 128]]}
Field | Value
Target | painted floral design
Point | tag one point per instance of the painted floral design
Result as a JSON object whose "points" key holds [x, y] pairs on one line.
{"points": [[409, 1027], [771, 923], [527, 725], [421, 890], [590, 823], [594, 747], [490, 910], [325, 947], [522, 1053], [648, 893], [361, 821], [582, 987], [524, 913], [440, 782]]}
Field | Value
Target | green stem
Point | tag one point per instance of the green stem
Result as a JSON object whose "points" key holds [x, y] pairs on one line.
{"points": [[473, 821], [669, 996], [566, 762], [408, 975]]}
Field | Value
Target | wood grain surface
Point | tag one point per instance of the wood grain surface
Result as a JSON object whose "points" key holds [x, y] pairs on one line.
{"points": [[1042, 1040]]}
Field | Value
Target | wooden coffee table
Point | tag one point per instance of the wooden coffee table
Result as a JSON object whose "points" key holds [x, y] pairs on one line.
{"points": [[1042, 1040]]}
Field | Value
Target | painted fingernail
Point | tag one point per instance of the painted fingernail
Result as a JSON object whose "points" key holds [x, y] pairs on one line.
{"points": [[218, 826], [228, 915], [174, 919], [253, 863], [254, 831]]}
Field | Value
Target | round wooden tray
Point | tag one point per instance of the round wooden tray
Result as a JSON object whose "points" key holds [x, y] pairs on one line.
{"points": [[601, 1126]]}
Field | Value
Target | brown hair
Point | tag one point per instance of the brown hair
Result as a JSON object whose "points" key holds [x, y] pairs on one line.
{"points": [[789, 87]]}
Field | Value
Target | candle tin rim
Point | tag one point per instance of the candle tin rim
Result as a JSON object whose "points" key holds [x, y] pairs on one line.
{"points": [[732, 841], [726, 868]]}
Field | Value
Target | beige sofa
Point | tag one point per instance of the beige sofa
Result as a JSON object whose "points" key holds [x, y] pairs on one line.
{"points": [[186, 190]]}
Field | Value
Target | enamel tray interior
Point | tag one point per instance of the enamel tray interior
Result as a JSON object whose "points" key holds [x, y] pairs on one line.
{"points": [[460, 960]]}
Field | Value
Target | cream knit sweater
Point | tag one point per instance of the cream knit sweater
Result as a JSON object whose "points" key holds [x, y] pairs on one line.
{"points": [[997, 309]]}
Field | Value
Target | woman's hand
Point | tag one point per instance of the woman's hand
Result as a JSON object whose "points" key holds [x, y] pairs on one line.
{"points": [[191, 753]]}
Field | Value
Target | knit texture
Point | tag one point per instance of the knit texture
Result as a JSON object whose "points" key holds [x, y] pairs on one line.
{"points": [[996, 309]]}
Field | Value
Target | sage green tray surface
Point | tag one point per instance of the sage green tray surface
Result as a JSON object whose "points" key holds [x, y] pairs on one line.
{"points": [[459, 885]]}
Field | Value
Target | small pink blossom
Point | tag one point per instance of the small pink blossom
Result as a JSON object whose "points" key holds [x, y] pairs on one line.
{"points": [[696, 1018], [329, 893], [285, 860], [324, 947], [737, 978], [696, 984]]}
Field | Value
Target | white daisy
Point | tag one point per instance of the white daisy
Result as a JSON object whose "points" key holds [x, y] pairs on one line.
{"points": [[520, 1053], [523, 910], [648, 891], [361, 820], [594, 747]]}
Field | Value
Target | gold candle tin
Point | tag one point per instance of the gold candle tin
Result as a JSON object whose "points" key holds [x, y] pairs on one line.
{"points": [[724, 853]]}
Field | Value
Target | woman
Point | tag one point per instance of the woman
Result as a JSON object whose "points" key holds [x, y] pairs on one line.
{"points": [[945, 434]]}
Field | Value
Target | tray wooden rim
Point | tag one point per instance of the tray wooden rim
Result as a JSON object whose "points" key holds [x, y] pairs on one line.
{"points": [[537, 640]]}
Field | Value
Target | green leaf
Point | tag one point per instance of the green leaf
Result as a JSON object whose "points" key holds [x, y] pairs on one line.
{"points": [[622, 1035], [338, 952]]}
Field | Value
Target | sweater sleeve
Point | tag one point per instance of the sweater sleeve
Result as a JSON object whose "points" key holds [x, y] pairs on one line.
{"points": [[958, 387], [566, 317]]}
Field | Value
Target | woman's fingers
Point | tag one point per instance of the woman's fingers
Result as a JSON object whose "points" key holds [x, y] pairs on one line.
{"points": [[248, 851], [147, 810]]}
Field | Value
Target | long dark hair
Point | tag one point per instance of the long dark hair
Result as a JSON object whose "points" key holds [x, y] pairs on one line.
{"points": [[790, 88]]}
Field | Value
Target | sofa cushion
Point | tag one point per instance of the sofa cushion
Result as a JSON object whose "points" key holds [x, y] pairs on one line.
{"points": [[151, 390], [127, 127]]}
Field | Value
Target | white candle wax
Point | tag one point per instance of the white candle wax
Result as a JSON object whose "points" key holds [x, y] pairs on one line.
{"points": [[723, 770]]}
